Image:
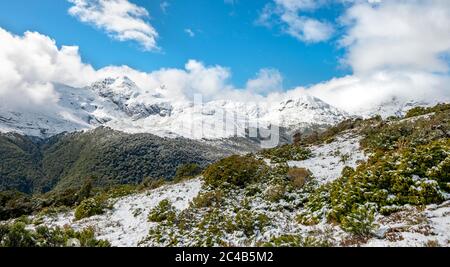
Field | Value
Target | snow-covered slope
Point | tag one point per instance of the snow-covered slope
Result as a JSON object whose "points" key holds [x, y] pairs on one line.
{"points": [[126, 224], [328, 160], [120, 104], [392, 107], [74, 112]]}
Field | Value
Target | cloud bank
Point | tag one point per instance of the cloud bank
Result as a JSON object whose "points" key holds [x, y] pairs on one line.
{"points": [[31, 63], [397, 34], [396, 48]]}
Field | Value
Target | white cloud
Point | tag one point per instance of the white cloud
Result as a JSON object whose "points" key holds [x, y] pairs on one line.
{"points": [[396, 49], [30, 64], [181, 84], [164, 6], [288, 13], [189, 32], [398, 34], [266, 81], [33, 63], [121, 19], [357, 94]]}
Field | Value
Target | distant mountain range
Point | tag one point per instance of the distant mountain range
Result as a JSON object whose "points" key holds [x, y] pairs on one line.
{"points": [[121, 105]]}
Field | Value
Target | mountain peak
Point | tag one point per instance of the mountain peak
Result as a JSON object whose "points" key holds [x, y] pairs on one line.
{"points": [[117, 84], [304, 101]]}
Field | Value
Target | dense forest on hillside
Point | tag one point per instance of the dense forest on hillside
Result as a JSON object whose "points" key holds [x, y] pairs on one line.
{"points": [[104, 156]]}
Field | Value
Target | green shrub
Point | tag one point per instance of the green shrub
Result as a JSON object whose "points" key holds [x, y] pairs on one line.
{"points": [[90, 207], [119, 191], [275, 193], [152, 183], [290, 240], [386, 137], [418, 111], [187, 171], [208, 199], [248, 222], [280, 169], [284, 241], [286, 153], [360, 221], [299, 177], [391, 136], [68, 197], [387, 210], [252, 190], [307, 219], [329, 135], [414, 175], [235, 170], [86, 238], [14, 204], [85, 191], [163, 212], [16, 235]]}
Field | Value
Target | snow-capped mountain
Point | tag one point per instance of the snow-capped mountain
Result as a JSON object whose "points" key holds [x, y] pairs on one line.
{"points": [[120, 104], [393, 107]]}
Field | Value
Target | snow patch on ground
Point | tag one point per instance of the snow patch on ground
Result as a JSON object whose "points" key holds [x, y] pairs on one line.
{"points": [[126, 224], [415, 228], [329, 160]]}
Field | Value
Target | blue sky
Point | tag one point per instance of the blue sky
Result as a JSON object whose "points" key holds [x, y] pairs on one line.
{"points": [[224, 34], [352, 54]]}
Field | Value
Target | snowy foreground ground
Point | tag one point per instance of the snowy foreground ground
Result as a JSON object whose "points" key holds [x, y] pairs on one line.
{"points": [[127, 225]]}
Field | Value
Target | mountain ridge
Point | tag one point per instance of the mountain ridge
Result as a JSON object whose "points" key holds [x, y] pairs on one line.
{"points": [[120, 104]]}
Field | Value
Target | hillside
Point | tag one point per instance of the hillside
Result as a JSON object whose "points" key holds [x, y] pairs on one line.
{"points": [[367, 182], [105, 156]]}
